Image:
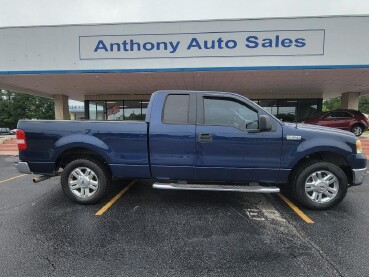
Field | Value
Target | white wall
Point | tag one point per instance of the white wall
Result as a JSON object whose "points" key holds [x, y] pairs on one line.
{"points": [[311, 42]]}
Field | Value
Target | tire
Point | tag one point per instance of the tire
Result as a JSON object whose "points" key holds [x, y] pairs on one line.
{"points": [[85, 181], [319, 185], [357, 129]]}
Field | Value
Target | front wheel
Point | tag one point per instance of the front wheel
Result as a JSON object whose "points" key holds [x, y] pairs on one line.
{"points": [[357, 130], [84, 181], [319, 185]]}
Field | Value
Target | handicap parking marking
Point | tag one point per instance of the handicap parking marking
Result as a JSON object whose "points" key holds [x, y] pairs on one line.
{"points": [[255, 214], [258, 207]]}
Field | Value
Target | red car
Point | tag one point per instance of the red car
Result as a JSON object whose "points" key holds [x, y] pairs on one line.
{"points": [[349, 120]]}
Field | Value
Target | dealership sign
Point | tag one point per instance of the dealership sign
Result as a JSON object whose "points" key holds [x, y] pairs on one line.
{"points": [[240, 44], [210, 44]]}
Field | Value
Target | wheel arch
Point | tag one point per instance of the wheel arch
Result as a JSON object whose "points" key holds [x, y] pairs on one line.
{"points": [[70, 154], [358, 123], [325, 156]]}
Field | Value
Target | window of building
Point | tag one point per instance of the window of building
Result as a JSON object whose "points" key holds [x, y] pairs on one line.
{"points": [[132, 110], [176, 109], [292, 109], [307, 108], [97, 110], [270, 106], [114, 110], [287, 110]]}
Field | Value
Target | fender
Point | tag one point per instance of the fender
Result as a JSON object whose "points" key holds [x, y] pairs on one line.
{"points": [[81, 141], [311, 146]]}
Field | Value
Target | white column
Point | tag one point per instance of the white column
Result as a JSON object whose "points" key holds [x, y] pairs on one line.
{"points": [[350, 100], [61, 107]]}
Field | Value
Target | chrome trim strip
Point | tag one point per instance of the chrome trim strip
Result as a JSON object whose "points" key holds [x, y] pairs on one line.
{"points": [[207, 187], [22, 167], [358, 176], [290, 137]]}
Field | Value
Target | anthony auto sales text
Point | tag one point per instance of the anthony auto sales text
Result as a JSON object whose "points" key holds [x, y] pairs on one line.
{"points": [[250, 42]]}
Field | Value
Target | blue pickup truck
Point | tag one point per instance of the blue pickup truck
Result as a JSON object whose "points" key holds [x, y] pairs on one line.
{"points": [[194, 140]]}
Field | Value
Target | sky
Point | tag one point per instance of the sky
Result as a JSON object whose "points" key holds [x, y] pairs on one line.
{"points": [[55, 12]]}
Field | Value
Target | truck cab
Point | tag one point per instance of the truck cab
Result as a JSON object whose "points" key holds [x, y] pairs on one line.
{"points": [[219, 136]]}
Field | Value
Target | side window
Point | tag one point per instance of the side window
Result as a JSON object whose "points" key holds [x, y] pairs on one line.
{"points": [[345, 115], [229, 112], [330, 115], [176, 109], [338, 115]]}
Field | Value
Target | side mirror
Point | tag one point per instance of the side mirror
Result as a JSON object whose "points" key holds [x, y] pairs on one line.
{"points": [[265, 123]]}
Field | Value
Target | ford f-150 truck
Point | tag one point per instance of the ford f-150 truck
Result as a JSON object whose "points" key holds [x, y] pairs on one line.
{"points": [[196, 141]]}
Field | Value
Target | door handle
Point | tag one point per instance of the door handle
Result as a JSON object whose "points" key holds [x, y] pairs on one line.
{"points": [[205, 137]]}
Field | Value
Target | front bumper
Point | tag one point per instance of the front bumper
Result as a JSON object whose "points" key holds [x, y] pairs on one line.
{"points": [[358, 176], [22, 167]]}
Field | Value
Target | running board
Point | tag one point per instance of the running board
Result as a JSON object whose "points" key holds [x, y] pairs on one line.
{"points": [[207, 187]]}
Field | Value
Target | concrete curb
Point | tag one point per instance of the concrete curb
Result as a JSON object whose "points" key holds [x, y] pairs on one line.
{"points": [[4, 139], [9, 153]]}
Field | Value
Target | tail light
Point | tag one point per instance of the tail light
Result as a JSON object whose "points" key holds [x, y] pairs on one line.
{"points": [[21, 140]]}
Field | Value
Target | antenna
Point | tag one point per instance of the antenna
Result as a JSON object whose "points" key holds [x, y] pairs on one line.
{"points": [[296, 120]]}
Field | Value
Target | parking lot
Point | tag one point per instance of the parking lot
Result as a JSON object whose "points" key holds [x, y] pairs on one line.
{"points": [[148, 232]]}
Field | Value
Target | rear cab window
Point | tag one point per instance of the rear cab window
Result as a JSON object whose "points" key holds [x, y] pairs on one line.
{"points": [[177, 109]]}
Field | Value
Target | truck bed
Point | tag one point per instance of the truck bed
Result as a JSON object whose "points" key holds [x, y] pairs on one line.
{"points": [[123, 144]]}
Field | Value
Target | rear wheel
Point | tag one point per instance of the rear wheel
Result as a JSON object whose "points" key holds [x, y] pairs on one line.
{"points": [[319, 185], [357, 130], [85, 181]]}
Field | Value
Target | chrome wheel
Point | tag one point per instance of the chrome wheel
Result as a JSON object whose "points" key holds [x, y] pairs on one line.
{"points": [[321, 186], [357, 130], [83, 182]]}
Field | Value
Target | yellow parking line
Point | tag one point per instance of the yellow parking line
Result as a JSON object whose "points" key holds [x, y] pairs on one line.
{"points": [[3, 181], [114, 199], [296, 209]]}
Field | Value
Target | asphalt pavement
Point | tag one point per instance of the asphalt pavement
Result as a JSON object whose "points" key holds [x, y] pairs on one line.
{"points": [[149, 232]]}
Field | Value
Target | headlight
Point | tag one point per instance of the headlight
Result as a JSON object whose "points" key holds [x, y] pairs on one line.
{"points": [[359, 148]]}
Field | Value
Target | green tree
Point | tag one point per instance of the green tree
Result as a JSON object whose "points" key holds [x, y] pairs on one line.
{"points": [[335, 103], [364, 104], [15, 106], [331, 104]]}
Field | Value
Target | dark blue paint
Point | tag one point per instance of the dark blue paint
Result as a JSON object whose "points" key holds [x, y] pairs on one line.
{"points": [[315, 139], [122, 144], [171, 146], [236, 155], [152, 149]]}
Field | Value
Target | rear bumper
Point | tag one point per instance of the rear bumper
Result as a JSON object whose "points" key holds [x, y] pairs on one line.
{"points": [[358, 176], [22, 167]]}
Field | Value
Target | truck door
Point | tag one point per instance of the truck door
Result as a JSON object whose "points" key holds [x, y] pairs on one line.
{"points": [[172, 140], [228, 143]]}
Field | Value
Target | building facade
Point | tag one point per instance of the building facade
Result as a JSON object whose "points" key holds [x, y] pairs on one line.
{"points": [[286, 65]]}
